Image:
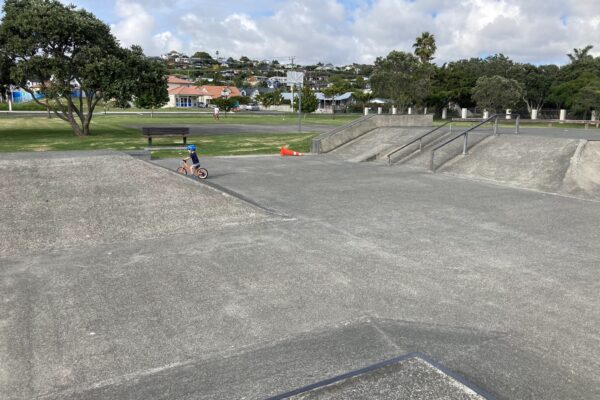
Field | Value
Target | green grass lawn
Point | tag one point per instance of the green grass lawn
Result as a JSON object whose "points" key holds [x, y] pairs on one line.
{"points": [[116, 133]]}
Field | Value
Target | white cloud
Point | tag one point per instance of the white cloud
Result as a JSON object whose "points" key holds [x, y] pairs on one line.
{"points": [[347, 31], [137, 26]]}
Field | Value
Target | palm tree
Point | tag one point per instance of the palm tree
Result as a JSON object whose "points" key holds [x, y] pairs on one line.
{"points": [[581, 54], [425, 47]]}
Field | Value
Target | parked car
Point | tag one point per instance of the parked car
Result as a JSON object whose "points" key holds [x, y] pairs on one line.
{"points": [[252, 107]]}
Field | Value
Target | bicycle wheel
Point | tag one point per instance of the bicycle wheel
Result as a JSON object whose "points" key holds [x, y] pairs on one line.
{"points": [[182, 170], [201, 173]]}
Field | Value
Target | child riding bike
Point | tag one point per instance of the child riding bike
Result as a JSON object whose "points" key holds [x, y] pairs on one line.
{"points": [[193, 156]]}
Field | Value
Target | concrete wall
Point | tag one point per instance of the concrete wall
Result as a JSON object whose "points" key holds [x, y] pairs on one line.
{"points": [[341, 135]]}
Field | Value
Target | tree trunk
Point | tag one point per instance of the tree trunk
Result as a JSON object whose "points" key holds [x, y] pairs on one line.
{"points": [[86, 128], [75, 126]]}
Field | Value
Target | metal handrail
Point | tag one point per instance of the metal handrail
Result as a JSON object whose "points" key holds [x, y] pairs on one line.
{"points": [[419, 139], [474, 119], [466, 136]]}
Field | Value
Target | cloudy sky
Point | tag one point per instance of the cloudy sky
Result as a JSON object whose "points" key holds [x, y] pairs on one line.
{"points": [[346, 31]]}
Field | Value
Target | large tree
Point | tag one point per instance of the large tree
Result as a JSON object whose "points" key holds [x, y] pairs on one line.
{"points": [[401, 78], [152, 92], [537, 82], [74, 57], [495, 93], [587, 98]]}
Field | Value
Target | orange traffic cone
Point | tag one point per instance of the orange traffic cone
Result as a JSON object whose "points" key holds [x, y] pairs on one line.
{"points": [[287, 152]]}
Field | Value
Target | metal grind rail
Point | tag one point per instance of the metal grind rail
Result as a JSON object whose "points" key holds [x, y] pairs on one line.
{"points": [[419, 139], [465, 136], [517, 120]]}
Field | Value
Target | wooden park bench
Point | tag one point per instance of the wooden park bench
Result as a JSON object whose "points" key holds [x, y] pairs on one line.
{"points": [[151, 132]]}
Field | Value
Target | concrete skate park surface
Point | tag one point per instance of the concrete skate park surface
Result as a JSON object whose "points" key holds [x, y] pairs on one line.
{"points": [[213, 297]]}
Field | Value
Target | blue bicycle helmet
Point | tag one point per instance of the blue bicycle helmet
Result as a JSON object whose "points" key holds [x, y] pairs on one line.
{"points": [[192, 147]]}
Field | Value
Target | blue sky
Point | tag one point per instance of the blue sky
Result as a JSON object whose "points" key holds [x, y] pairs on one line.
{"points": [[346, 31]]}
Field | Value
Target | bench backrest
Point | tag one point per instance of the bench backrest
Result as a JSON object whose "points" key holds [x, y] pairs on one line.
{"points": [[155, 131]]}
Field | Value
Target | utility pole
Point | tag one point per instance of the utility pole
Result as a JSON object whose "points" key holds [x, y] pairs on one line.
{"points": [[292, 62]]}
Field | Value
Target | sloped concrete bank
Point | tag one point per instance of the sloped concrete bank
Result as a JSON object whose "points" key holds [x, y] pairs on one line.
{"points": [[564, 166]]}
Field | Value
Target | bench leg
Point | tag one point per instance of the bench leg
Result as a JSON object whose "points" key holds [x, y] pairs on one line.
{"points": [[149, 141], [185, 140]]}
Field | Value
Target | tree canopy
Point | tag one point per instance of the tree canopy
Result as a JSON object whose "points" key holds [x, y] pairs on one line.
{"points": [[310, 103], [497, 93], [401, 77], [74, 59], [270, 98], [203, 55]]}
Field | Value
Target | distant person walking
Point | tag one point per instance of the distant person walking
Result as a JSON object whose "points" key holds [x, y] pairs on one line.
{"points": [[216, 113]]}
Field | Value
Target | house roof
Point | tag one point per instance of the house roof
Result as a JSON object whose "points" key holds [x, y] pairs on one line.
{"points": [[344, 96], [215, 91], [206, 90], [175, 80], [188, 91]]}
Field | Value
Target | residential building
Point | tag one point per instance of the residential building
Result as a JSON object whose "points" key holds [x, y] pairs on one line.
{"points": [[194, 96], [326, 104], [275, 81], [256, 80], [338, 102], [175, 82]]}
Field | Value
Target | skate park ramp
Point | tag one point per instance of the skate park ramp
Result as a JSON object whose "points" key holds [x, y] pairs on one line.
{"points": [[91, 198], [370, 135], [556, 165], [378, 141]]}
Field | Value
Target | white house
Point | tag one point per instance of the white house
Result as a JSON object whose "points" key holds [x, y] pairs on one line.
{"points": [[194, 96]]}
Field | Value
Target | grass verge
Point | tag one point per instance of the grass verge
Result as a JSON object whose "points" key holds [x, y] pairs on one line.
{"points": [[116, 133], [238, 145]]}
